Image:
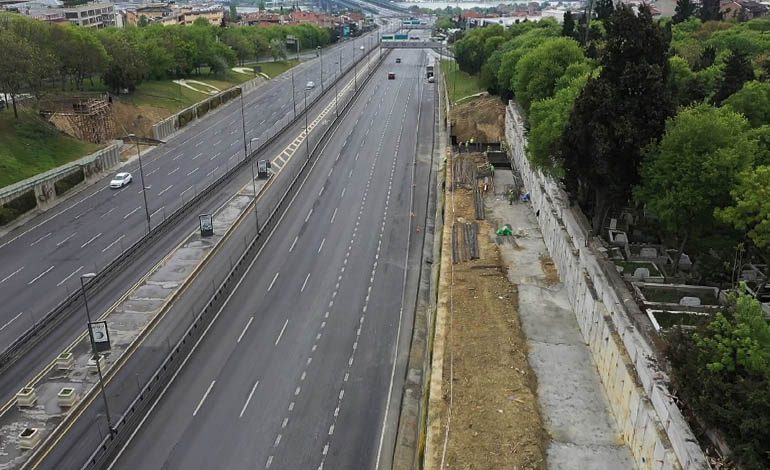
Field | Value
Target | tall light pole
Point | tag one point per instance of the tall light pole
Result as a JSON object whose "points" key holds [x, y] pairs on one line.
{"points": [[336, 92], [307, 134], [96, 354], [321, 57], [254, 184], [293, 94], [141, 177], [296, 41], [243, 127]]}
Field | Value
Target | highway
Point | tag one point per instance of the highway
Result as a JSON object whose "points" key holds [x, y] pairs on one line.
{"points": [[43, 259], [300, 369]]}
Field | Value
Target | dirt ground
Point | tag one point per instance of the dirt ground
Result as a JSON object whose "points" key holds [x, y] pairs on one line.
{"points": [[482, 119], [130, 119], [495, 418]]}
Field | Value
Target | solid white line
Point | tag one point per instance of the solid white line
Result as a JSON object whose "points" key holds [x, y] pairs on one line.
{"points": [[308, 215], [208, 390], [272, 282], [10, 321], [322, 245], [68, 277], [39, 276], [89, 241], [169, 187], [305, 283], [282, 330], [41, 239], [244, 331], [248, 399], [65, 240], [333, 216], [130, 213], [112, 244], [11, 275], [293, 243]]}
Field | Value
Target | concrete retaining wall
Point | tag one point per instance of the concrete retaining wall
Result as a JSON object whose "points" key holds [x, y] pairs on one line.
{"points": [[93, 167], [649, 420]]}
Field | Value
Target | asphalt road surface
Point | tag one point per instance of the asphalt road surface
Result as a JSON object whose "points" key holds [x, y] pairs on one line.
{"points": [[43, 259], [298, 370]]}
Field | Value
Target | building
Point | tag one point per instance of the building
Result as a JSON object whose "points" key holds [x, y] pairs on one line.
{"points": [[742, 10], [93, 15], [169, 13]]}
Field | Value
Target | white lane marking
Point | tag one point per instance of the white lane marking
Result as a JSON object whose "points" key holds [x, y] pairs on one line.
{"points": [[199, 143], [293, 243], [330, 172], [333, 216], [82, 214], [217, 143], [113, 243], [308, 215], [305, 283], [282, 330], [106, 213], [269, 461], [68, 277], [248, 399], [10, 321], [131, 213], [272, 282], [65, 240], [182, 193], [162, 192], [41, 239], [200, 403], [322, 245], [153, 171], [212, 171], [173, 171], [343, 193], [177, 157], [92, 239], [156, 211], [244, 332], [39, 276], [277, 440], [197, 156], [193, 171], [11, 275], [321, 191]]}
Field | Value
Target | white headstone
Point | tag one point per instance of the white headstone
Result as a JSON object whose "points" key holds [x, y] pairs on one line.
{"points": [[613, 224], [641, 273], [690, 301]]}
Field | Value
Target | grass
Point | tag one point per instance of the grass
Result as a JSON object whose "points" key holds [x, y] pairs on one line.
{"points": [[668, 319], [673, 295], [29, 146], [273, 69], [459, 83]]}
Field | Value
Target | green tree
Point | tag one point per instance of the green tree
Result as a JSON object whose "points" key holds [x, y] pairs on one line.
{"points": [[753, 101], [233, 12], [750, 209], [604, 9], [709, 10], [278, 49], [143, 21], [568, 27], [617, 114], [684, 10], [126, 66], [17, 68], [738, 70], [690, 173], [540, 68]]}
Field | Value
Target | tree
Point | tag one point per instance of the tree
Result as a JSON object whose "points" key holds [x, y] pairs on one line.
{"points": [[617, 114], [738, 70], [750, 209], [684, 10], [690, 173], [538, 69], [18, 67], [261, 5], [604, 9], [753, 101], [143, 21], [709, 10], [126, 66], [278, 49], [568, 27], [707, 58], [233, 12]]}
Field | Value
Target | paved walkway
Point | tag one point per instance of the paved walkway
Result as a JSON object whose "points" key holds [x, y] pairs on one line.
{"points": [[572, 400]]}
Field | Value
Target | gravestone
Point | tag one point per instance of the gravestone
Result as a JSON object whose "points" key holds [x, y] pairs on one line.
{"points": [[641, 273], [648, 253], [690, 301]]}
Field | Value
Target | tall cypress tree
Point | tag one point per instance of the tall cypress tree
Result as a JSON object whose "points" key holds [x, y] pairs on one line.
{"points": [[568, 28], [709, 10], [684, 10], [738, 70], [618, 113], [604, 9]]}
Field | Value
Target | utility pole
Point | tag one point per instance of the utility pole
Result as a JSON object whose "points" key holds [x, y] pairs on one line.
{"points": [[243, 127], [321, 57], [141, 177], [307, 134], [293, 94]]}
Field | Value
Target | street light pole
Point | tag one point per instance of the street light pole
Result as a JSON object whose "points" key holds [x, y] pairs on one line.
{"points": [[243, 127], [254, 185], [293, 94], [321, 57], [141, 177], [96, 355], [307, 134]]}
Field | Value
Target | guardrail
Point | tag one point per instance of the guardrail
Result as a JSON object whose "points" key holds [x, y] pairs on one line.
{"points": [[73, 302], [138, 409]]}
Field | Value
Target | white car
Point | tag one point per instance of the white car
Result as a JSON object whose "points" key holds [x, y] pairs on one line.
{"points": [[310, 85], [120, 180], [362, 48]]}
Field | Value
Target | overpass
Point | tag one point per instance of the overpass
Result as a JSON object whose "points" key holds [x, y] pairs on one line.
{"points": [[411, 45]]}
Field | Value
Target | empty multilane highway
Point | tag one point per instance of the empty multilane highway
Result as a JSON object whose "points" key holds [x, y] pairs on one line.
{"points": [[44, 258], [300, 370]]}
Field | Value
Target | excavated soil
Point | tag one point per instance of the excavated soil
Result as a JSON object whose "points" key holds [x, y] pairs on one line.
{"points": [[130, 119], [495, 418], [481, 119]]}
